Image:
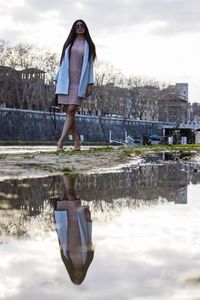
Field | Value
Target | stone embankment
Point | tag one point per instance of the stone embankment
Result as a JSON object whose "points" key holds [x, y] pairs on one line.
{"points": [[34, 126]]}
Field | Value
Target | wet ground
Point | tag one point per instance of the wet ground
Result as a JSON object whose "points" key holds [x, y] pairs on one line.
{"points": [[145, 241], [33, 149], [38, 161]]}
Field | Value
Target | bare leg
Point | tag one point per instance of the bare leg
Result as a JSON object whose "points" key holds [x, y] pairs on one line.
{"points": [[69, 125], [77, 144]]}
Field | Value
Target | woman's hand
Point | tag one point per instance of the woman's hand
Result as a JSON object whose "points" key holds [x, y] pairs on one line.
{"points": [[89, 90]]}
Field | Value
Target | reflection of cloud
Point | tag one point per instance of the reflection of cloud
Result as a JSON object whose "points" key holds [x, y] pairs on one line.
{"points": [[40, 260], [149, 251], [7, 289]]}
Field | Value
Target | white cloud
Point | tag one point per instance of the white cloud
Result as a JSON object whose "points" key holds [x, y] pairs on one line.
{"points": [[178, 16], [158, 38]]}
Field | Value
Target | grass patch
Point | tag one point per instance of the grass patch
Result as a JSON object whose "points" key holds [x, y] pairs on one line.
{"points": [[98, 149], [28, 165], [68, 170], [184, 151], [128, 152], [90, 150], [137, 152], [177, 148], [46, 143], [132, 151], [28, 156], [186, 154], [36, 166]]}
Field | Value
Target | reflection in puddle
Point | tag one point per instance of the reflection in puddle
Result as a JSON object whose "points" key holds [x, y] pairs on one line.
{"points": [[74, 229], [145, 246]]}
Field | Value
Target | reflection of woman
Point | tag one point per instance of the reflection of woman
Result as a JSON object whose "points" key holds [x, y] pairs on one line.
{"points": [[74, 227], [74, 80]]}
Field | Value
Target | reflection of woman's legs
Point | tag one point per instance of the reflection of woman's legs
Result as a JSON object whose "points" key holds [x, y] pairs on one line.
{"points": [[74, 239], [69, 125], [69, 182]]}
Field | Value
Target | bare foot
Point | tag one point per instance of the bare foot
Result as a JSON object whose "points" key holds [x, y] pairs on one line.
{"points": [[77, 145], [60, 145]]}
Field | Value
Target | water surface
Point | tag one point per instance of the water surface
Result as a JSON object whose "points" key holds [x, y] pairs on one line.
{"points": [[145, 235]]}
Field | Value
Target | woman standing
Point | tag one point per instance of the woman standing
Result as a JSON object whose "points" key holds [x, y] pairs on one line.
{"points": [[74, 80]]}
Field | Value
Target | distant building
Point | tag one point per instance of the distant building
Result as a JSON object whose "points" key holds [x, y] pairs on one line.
{"points": [[9, 81], [194, 112], [173, 103], [25, 89], [140, 102], [33, 89], [182, 89], [149, 103]]}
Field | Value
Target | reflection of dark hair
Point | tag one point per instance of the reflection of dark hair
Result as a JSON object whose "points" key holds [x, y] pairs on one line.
{"points": [[70, 40], [69, 265]]}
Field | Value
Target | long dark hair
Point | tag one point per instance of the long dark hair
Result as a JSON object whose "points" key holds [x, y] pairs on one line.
{"points": [[71, 38], [70, 268]]}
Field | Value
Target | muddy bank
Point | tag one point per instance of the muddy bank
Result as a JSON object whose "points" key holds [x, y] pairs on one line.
{"points": [[28, 162], [24, 162]]}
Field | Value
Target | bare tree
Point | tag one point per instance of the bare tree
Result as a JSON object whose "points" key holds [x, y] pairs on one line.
{"points": [[33, 69], [144, 93], [107, 81], [26, 78], [24, 56]]}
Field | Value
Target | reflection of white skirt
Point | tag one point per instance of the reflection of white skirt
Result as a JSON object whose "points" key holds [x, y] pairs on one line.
{"points": [[85, 226]]}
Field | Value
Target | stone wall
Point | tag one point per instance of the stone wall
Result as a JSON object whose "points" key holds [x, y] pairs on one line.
{"points": [[36, 126]]}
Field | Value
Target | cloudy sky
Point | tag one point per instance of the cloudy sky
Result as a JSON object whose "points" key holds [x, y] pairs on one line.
{"points": [[155, 38]]}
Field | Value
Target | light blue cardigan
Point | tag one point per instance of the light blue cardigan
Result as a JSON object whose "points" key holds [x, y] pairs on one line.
{"points": [[85, 230], [62, 77]]}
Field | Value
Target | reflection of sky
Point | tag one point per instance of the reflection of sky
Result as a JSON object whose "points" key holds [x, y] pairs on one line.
{"points": [[146, 253]]}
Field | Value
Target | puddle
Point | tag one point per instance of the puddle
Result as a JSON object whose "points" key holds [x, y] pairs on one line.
{"points": [[143, 241], [169, 156]]}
